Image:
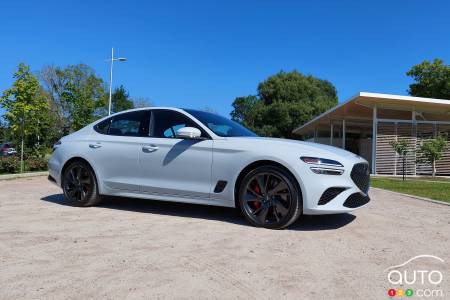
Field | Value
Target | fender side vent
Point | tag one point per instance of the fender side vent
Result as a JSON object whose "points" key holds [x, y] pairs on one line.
{"points": [[220, 186], [330, 194]]}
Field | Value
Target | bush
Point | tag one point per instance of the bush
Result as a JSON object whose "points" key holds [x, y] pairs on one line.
{"points": [[36, 164], [9, 164]]}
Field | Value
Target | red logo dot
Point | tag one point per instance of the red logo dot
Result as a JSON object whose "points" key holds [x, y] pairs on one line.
{"points": [[391, 293]]}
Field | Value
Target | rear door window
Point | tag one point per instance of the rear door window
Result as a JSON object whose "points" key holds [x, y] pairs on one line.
{"points": [[126, 124]]}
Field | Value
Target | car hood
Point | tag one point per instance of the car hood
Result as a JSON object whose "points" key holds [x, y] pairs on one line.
{"points": [[320, 149]]}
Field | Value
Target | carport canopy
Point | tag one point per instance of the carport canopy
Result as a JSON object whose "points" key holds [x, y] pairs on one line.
{"points": [[354, 125], [394, 107]]}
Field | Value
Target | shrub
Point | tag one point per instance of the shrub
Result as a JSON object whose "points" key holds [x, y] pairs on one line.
{"points": [[36, 164], [9, 164]]}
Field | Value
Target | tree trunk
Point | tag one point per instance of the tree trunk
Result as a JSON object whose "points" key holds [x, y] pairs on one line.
{"points": [[434, 168], [404, 166]]}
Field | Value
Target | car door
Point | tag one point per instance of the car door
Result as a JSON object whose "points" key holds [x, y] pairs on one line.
{"points": [[174, 167], [114, 150]]}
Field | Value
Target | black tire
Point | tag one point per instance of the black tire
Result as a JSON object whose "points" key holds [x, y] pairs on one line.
{"points": [[80, 185], [270, 197]]}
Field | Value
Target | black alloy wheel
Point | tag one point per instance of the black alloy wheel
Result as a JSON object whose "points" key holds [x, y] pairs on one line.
{"points": [[269, 197]]}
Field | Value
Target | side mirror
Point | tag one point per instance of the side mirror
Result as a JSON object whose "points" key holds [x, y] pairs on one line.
{"points": [[189, 133]]}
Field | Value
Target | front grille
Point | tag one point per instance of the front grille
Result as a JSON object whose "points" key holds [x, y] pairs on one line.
{"points": [[330, 194], [356, 200], [361, 176]]}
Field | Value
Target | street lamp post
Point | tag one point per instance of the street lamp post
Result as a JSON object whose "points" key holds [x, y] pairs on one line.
{"points": [[111, 76]]}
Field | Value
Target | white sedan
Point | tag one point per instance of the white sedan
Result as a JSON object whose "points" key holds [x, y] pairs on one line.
{"points": [[192, 156]]}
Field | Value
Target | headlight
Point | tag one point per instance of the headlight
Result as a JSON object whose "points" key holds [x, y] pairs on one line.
{"points": [[321, 161], [326, 171], [323, 166]]}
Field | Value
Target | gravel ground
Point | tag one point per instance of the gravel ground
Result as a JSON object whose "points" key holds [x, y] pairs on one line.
{"points": [[133, 249]]}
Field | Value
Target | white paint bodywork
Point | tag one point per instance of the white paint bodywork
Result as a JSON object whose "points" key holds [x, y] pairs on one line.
{"points": [[184, 170]]}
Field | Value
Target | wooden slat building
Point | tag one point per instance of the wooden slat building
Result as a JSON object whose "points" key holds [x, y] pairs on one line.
{"points": [[356, 123]]}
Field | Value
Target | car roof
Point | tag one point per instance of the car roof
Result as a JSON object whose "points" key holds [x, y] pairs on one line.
{"points": [[148, 108], [182, 110]]}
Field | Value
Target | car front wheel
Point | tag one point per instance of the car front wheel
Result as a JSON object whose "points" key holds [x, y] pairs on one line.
{"points": [[269, 197]]}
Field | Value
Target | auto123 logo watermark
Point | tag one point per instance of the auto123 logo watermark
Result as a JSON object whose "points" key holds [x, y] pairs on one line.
{"points": [[413, 279]]}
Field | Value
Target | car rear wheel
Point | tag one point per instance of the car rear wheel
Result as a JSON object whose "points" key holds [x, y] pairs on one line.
{"points": [[80, 185], [270, 197]]}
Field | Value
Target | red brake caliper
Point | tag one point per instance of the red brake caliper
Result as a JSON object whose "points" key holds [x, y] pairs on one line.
{"points": [[257, 204]]}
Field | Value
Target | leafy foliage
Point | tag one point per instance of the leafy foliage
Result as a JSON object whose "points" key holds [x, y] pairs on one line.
{"points": [[142, 102], [432, 150], [400, 146], [77, 95], [36, 164], [84, 94], [68, 99], [284, 101], [27, 111], [11, 164], [432, 80], [242, 109], [3, 131], [120, 100]]}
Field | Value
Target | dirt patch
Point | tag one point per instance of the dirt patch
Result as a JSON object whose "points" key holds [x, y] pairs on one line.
{"points": [[131, 248]]}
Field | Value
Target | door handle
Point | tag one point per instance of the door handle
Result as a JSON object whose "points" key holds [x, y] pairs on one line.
{"points": [[94, 146], [150, 148]]}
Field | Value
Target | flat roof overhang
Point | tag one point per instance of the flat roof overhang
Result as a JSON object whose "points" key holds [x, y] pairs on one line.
{"points": [[360, 107]]}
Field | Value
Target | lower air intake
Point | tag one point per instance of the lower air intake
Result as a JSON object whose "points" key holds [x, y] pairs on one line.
{"points": [[356, 200], [330, 194]]}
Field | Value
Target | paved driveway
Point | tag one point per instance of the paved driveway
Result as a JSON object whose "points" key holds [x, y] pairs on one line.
{"points": [[130, 248]]}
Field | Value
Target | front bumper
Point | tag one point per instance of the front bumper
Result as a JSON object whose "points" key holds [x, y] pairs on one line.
{"points": [[331, 194], [54, 169], [52, 180]]}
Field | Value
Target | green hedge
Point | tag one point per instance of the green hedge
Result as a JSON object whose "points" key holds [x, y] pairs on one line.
{"points": [[11, 164]]}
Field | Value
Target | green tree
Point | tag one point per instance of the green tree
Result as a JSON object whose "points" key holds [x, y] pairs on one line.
{"points": [[142, 102], [401, 148], [285, 101], [84, 94], [77, 96], [242, 108], [431, 151], [121, 100], [432, 80], [54, 81], [27, 111], [3, 131]]}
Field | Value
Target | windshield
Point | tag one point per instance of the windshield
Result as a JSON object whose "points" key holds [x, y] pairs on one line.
{"points": [[220, 125]]}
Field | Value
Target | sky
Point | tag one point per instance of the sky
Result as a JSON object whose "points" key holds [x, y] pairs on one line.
{"points": [[198, 54]]}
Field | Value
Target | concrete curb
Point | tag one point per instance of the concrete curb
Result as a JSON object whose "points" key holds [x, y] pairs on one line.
{"points": [[22, 175], [414, 197]]}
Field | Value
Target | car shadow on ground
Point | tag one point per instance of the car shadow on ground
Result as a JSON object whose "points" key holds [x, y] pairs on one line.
{"points": [[223, 214]]}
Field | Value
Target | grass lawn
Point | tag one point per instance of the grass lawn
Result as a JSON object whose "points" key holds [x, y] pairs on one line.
{"points": [[428, 188]]}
